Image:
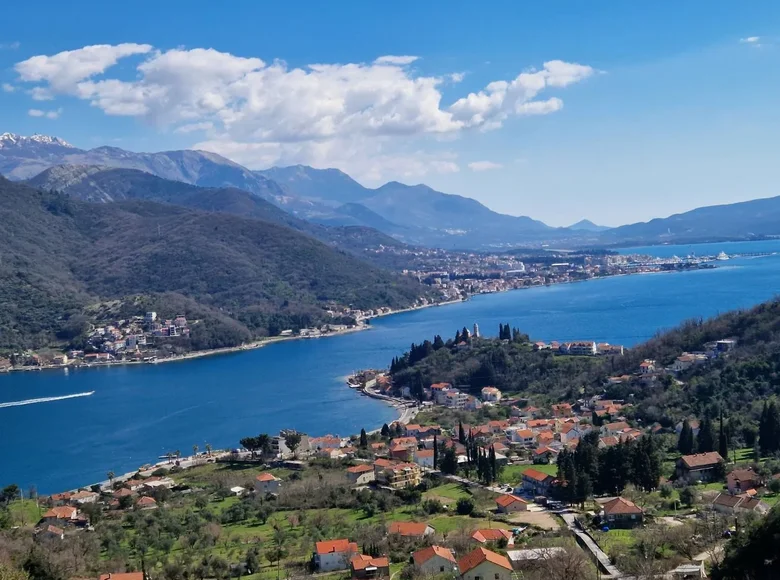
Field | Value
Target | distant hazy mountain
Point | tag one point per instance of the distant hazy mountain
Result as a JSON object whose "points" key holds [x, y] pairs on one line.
{"points": [[25, 157], [413, 214], [588, 226], [106, 184], [759, 217], [324, 184]]}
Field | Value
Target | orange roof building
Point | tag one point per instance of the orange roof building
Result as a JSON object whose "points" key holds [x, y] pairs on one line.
{"points": [[410, 529], [492, 535], [482, 563]]}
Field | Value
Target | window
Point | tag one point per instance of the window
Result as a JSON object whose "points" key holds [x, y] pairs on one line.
{"points": [[441, 568]]}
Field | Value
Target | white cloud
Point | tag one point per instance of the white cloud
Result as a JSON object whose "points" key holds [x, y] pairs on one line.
{"points": [[396, 60], [484, 165], [61, 71], [10, 45], [8, 88], [750, 40], [47, 114], [262, 113]]}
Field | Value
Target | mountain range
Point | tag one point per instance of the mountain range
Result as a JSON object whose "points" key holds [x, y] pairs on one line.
{"points": [[412, 214], [243, 277]]}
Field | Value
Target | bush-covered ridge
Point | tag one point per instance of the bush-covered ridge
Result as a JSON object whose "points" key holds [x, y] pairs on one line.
{"points": [[58, 255]]}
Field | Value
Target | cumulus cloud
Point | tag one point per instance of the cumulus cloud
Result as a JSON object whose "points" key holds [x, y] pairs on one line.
{"points": [[8, 88], [267, 112], [46, 114], [484, 165], [750, 40]]}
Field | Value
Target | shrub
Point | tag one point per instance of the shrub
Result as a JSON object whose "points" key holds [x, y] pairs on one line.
{"points": [[464, 506]]}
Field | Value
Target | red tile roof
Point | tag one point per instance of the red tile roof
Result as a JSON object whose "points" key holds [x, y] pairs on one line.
{"points": [[336, 546], [146, 501], [491, 535], [363, 468], [407, 528], [422, 556], [265, 477], [123, 576], [62, 513], [361, 562], [480, 555], [621, 505], [699, 460], [536, 474], [508, 499]]}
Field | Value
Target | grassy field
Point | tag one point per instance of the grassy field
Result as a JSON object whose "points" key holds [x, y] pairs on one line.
{"points": [[513, 473], [615, 541], [25, 512]]}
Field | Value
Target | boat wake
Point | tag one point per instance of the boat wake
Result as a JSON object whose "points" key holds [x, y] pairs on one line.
{"points": [[44, 400]]}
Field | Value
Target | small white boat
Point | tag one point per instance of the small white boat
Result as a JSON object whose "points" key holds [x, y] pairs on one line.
{"points": [[722, 257]]}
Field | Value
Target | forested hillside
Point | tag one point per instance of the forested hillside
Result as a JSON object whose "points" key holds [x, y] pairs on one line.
{"points": [[58, 255]]}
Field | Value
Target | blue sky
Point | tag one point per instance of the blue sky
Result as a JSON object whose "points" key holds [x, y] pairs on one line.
{"points": [[644, 110]]}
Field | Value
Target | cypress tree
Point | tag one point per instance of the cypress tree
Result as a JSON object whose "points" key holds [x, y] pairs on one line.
{"points": [[385, 432], [493, 464], [723, 444], [363, 439], [706, 438], [435, 452], [461, 433], [685, 441]]}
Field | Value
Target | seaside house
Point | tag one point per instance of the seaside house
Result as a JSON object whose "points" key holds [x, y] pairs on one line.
{"points": [[435, 560], [621, 513], [562, 410], [508, 503], [82, 497], [535, 482], [333, 555], [60, 515], [491, 395], [366, 567], [360, 474], [424, 458], [735, 504], [493, 536], [482, 564], [743, 480], [146, 503], [400, 475], [411, 529], [267, 483], [700, 466]]}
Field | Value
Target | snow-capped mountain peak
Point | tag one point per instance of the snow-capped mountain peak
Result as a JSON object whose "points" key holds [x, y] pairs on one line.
{"points": [[8, 140]]}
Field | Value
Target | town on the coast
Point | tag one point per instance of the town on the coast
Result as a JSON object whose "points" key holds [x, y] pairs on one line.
{"points": [[152, 337], [471, 482]]}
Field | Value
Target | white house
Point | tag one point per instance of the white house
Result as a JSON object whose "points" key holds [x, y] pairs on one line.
{"points": [[435, 560], [267, 483], [361, 474], [491, 395], [483, 564], [334, 555], [424, 458]]}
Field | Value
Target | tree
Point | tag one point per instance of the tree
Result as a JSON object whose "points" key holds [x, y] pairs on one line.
{"points": [[706, 439], [436, 452], [774, 485], [769, 428], [461, 433], [8, 573], [363, 439], [449, 462], [208, 449], [723, 443], [293, 439], [264, 444], [688, 496], [250, 444], [385, 431], [10, 493], [110, 475], [464, 506], [194, 450], [278, 550], [685, 441]]}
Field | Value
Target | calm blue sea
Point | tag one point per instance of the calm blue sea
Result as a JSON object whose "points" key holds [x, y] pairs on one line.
{"points": [[140, 412]]}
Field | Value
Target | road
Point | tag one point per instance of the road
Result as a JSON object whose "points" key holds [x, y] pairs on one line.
{"points": [[592, 546]]}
